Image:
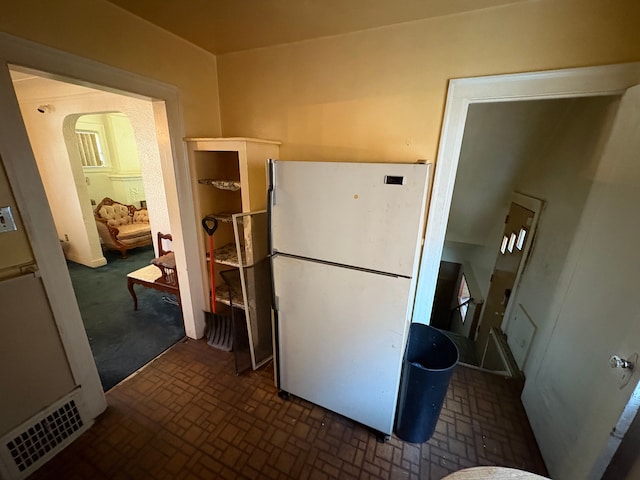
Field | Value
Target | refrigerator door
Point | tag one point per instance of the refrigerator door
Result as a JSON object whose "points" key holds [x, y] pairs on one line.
{"points": [[340, 335], [367, 215]]}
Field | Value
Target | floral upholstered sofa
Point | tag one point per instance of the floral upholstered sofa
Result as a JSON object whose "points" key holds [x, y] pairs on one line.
{"points": [[122, 227]]}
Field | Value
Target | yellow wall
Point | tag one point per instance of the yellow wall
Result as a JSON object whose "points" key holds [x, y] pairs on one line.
{"points": [[101, 31], [379, 94]]}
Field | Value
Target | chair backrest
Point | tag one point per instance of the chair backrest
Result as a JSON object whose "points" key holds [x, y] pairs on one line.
{"points": [[166, 262], [167, 266], [163, 236]]}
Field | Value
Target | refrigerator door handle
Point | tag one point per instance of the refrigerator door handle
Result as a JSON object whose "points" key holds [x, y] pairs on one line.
{"points": [[271, 200], [271, 165], [340, 265]]}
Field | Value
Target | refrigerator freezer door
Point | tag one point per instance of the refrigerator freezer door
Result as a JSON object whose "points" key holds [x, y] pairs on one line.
{"points": [[341, 338], [367, 215]]}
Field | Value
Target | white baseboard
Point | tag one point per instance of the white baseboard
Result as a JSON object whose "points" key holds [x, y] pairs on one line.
{"points": [[88, 262]]}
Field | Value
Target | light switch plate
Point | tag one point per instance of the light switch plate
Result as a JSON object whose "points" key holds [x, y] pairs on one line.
{"points": [[6, 220]]}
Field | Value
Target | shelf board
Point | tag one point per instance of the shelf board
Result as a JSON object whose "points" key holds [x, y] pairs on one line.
{"points": [[224, 217], [227, 255], [225, 140], [222, 291], [232, 185]]}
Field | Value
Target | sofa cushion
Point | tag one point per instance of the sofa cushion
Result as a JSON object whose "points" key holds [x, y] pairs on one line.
{"points": [[115, 215], [141, 216], [136, 242], [133, 231]]}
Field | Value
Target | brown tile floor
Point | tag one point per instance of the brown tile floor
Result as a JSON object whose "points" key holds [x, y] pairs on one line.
{"points": [[187, 415]]}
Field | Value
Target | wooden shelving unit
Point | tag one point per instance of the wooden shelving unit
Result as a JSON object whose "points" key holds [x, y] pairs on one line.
{"points": [[229, 177]]}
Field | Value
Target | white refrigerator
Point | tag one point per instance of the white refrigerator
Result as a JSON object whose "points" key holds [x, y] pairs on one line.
{"points": [[345, 242]]}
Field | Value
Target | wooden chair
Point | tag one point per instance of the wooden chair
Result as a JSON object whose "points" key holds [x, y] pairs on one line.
{"points": [[160, 275]]}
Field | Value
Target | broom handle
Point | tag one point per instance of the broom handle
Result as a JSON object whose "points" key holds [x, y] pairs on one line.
{"points": [[211, 275]]}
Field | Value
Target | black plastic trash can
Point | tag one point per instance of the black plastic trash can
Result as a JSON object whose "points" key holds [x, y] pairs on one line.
{"points": [[428, 365]]}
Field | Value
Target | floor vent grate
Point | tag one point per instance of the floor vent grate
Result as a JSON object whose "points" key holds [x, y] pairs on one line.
{"points": [[38, 440]]}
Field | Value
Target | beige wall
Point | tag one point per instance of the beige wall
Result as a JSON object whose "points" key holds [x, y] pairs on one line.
{"points": [[499, 140], [374, 95], [15, 242], [552, 155], [99, 31], [545, 149], [35, 371], [561, 173], [558, 164], [60, 167], [379, 94], [103, 32], [572, 396]]}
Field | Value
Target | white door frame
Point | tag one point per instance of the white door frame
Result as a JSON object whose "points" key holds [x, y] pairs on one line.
{"points": [[569, 83], [30, 197]]}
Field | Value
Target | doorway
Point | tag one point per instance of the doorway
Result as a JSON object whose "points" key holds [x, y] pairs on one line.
{"points": [[118, 132], [511, 152], [30, 197], [516, 235], [553, 419]]}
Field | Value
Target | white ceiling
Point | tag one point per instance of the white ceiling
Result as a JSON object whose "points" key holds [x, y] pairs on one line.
{"points": [[223, 26]]}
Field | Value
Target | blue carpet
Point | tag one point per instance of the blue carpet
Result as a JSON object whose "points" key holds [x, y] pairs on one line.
{"points": [[121, 338]]}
